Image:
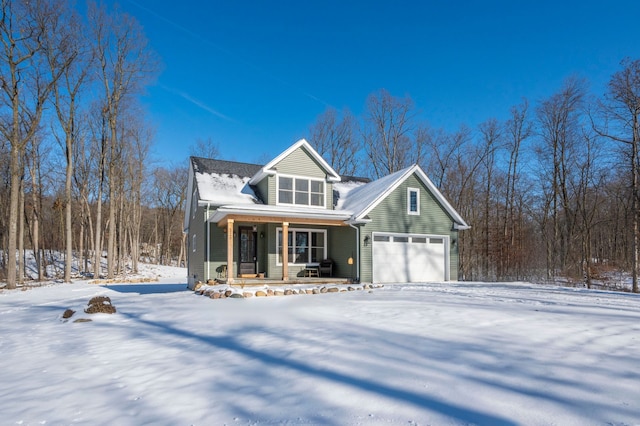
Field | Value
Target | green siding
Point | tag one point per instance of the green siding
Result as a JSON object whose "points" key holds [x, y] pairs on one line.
{"points": [[195, 255], [300, 163], [391, 216], [342, 246], [329, 196], [264, 190], [271, 190]]}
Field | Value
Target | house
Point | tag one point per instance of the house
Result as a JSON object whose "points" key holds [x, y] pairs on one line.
{"points": [[395, 229]]}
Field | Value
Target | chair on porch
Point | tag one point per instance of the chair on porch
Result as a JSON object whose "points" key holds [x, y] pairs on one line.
{"points": [[326, 267]]}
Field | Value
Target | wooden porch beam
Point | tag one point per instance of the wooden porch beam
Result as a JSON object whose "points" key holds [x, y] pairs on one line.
{"points": [[285, 251], [280, 219], [230, 269]]}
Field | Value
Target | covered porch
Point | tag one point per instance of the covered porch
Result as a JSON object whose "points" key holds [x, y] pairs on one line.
{"points": [[258, 253]]}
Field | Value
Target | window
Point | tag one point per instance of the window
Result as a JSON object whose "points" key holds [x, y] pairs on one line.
{"points": [[305, 245], [300, 191], [413, 201]]}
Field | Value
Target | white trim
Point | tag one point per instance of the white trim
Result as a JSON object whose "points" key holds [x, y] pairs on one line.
{"points": [[417, 192], [294, 177], [268, 168], [294, 230], [293, 212]]}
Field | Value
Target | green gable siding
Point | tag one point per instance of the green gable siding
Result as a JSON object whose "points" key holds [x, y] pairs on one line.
{"points": [[391, 216], [300, 163], [264, 190]]}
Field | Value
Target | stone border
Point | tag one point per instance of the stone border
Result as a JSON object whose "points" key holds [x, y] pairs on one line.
{"points": [[123, 281], [226, 291]]}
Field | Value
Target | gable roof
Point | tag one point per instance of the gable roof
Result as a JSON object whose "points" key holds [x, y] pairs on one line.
{"points": [[364, 198], [268, 169]]}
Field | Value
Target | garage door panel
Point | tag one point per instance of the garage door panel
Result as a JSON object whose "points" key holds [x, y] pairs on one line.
{"points": [[403, 258]]}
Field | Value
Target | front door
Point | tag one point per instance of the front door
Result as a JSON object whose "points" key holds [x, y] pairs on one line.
{"points": [[248, 251]]}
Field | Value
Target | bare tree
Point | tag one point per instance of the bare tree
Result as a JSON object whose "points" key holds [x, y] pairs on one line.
{"points": [[491, 133], [518, 129], [206, 148], [124, 64], [333, 136], [621, 108], [25, 85], [170, 194], [75, 61], [558, 123], [392, 139]]}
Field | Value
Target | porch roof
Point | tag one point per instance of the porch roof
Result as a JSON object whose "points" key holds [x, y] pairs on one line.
{"points": [[274, 214]]}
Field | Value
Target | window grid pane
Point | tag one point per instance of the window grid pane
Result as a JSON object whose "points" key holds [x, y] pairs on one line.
{"points": [[299, 191], [304, 246]]}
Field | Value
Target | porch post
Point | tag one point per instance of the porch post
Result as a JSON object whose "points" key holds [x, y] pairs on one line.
{"points": [[285, 251], [230, 269]]}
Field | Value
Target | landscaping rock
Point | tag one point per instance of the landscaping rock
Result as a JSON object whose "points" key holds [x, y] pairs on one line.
{"points": [[323, 290], [315, 291], [247, 294], [333, 290], [228, 293], [278, 293], [261, 293], [100, 304], [68, 313], [236, 296]]}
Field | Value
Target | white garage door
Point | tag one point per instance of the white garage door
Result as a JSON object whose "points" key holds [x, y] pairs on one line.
{"points": [[407, 258]]}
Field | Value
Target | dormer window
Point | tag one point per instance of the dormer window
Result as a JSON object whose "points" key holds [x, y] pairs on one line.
{"points": [[301, 191]]}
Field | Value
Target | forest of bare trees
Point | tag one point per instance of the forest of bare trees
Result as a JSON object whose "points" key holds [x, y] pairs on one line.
{"points": [[75, 145], [551, 191]]}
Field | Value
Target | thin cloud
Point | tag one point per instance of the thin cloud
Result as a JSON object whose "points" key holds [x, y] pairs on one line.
{"points": [[197, 103]]}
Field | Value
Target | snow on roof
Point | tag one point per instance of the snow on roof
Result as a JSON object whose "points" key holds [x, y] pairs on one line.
{"points": [[221, 189], [343, 190], [360, 197]]}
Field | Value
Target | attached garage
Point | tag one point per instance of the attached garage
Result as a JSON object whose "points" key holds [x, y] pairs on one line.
{"points": [[410, 258]]}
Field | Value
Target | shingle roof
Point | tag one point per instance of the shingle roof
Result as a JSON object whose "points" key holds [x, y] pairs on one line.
{"points": [[209, 165]]}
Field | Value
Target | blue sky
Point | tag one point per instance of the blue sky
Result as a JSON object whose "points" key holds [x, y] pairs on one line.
{"points": [[254, 75]]}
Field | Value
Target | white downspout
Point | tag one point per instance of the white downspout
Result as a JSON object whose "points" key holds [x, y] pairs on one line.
{"points": [[357, 250], [208, 244]]}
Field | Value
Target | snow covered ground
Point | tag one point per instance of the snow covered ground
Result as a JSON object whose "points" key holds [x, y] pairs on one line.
{"points": [[433, 354]]}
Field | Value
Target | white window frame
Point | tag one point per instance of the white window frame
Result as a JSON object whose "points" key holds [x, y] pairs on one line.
{"points": [[417, 192], [301, 230], [307, 178]]}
